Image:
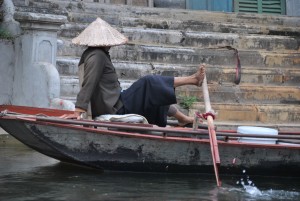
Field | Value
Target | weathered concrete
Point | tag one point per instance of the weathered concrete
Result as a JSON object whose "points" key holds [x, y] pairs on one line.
{"points": [[36, 80], [216, 73], [196, 38], [122, 11], [185, 55], [194, 55], [245, 93], [173, 42], [7, 58], [8, 22], [293, 7], [275, 113], [169, 3]]}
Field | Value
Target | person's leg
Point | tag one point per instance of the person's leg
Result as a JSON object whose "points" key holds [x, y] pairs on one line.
{"points": [[152, 95], [177, 114], [195, 79]]}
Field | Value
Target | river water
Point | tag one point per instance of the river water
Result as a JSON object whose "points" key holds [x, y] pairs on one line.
{"points": [[28, 175]]}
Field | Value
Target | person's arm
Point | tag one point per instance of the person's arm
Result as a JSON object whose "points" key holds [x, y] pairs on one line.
{"points": [[93, 70]]}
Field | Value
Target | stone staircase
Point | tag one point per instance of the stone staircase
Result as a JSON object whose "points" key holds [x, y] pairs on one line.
{"points": [[174, 42]]}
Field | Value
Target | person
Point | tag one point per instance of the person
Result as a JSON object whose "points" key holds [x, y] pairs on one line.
{"points": [[151, 96]]}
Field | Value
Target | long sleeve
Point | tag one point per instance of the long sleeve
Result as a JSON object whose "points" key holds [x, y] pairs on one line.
{"points": [[94, 63], [100, 85]]}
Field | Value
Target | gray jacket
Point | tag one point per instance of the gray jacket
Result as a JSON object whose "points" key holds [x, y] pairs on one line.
{"points": [[100, 83]]}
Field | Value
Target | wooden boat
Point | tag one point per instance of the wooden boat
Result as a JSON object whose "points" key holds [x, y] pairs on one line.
{"points": [[146, 148]]}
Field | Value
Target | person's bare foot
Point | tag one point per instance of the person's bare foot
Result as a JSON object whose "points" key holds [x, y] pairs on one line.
{"points": [[195, 79], [184, 121], [200, 74]]}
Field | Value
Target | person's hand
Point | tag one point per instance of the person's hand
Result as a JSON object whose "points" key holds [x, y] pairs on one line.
{"points": [[75, 115]]}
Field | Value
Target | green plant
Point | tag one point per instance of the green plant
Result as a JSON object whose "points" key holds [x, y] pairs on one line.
{"points": [[5, 34], [187, 101]]}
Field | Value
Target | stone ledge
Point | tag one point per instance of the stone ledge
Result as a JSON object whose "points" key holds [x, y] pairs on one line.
{"points": [[264, 113], [40, 21]]}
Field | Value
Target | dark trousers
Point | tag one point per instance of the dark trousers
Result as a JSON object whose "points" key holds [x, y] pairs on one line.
{"points": [[151, 97]]}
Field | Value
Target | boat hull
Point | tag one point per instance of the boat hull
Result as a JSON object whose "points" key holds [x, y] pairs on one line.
{"points": [[119, 150]]}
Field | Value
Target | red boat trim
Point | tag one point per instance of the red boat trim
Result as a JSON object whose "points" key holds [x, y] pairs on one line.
{"points": [[154, 137]]}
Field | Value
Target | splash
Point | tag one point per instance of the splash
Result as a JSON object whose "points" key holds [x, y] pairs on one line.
{"points": [[249, 186]]}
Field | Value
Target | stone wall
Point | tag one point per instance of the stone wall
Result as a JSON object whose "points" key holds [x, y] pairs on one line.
{"points": [[293, 7], [124, 2], [1, 12], [7, 58], [36, 79], [28, 71]]}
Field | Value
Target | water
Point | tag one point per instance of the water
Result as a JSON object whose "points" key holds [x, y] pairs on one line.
{"points": [[28, 175]]}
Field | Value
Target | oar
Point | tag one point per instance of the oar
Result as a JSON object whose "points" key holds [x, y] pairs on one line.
{"points": [[211, 131]]}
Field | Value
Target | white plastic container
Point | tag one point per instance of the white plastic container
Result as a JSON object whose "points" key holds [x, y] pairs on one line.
{"points": [[257, 131]]}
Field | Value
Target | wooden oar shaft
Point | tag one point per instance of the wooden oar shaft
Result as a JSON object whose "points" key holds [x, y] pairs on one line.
{"points": [[206, 95], [211, 131], [213, 138]]}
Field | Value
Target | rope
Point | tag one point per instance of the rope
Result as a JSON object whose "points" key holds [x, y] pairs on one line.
{"points": [[238, 68], [205, 115]]}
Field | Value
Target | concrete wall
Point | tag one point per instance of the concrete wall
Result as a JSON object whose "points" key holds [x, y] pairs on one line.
{"points": [[125, 2], [36, 79], [7, 58], [293, 7], [28, 71]]}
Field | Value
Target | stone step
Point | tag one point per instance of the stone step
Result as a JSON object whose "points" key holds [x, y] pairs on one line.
{"points": [[67, 65], [56, 4], [219, 93], [185, 55], [69, 85], [156, 22], [191, 55], [249, 106], [69, 98], [263, 113], [232, 124], [202, 39], [215, 73], [173, 24], [232, 26], [174, 42], [244, 93], [166, 13], [66, 48], [195, 38], [86, 12]]}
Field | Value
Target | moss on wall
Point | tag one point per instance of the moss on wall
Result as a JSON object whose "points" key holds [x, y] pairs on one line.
{"points": [[4, 34]]}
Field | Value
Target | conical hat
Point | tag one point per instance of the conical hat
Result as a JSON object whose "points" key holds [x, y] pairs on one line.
{"points": [[100, 33]]}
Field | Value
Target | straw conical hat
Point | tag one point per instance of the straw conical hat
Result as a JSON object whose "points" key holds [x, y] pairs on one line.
{"points": [[100, 33]]}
